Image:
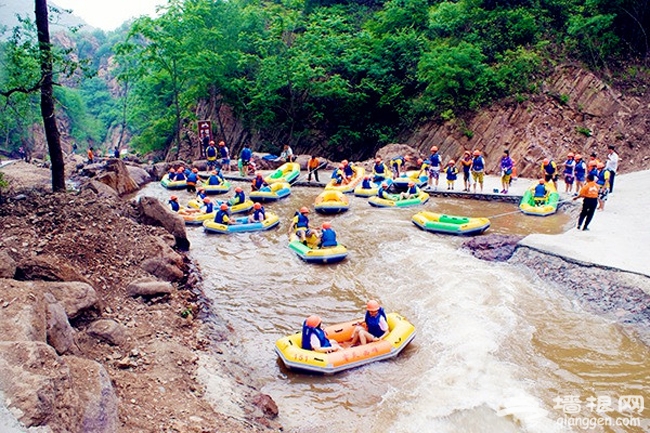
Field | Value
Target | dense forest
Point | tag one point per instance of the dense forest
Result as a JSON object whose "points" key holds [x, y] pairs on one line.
{"points": [[340, 76]]}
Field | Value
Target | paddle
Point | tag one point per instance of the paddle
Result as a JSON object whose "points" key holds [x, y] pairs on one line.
{"points": [[321, 165]]}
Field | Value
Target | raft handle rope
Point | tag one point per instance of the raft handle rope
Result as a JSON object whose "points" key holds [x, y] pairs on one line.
{"points": [[518, 211]]}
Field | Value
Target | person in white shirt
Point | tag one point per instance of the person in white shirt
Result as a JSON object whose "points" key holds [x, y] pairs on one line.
{"points": [[611, 165]]}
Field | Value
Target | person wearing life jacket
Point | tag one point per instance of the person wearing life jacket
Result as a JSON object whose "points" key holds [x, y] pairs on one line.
{"points": [[592, 168], [365, 183], [379, 170], [412, 191], [374, 326], [435, 164], [180, 174], [245, 156], [200, 194], [589, 194], [215, 178], [549, 171], [569, 172], [451, 173], [580, 171], [327, 236], [258, 182], [192, 178], [223, 215], [314, 337], [171, 175], [258, 215], [348, 172], [539, 193], [208, 206], [211, 155], [602, 180], [300, 224], [382, 192], [337, 175], [506, 165], [466, 164], [424, 168], [224, 153], [173, 204], [239, 197], [478, 169], [396, 165]]}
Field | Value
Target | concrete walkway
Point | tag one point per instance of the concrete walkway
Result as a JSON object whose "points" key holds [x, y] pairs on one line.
{"points": [[618, 237]]}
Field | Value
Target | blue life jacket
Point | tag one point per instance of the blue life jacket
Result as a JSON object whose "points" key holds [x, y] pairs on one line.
{"points": [[246, 154], [258, 183], [337, 175], [594, 172], [219, 216], [413, 190], [569, 166], [434, 160], [373, 322], [171, 176], [549, 168], [383, 193], [580, 169], [348, 171], [379, 168], [174, 205], [540, 190], [239, 197], [303, 221], [478, 164], [259, 212], [209, 207], [328, 238], [366, 184], [308, 331], [187, 172], [223, 150], [451, 173], [180, 176], [192, 178], [600, 179], [200, 196], [214, 180], [211, 153]]}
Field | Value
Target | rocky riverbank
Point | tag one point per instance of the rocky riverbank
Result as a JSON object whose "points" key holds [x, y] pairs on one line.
{"points": [[102, 324]]}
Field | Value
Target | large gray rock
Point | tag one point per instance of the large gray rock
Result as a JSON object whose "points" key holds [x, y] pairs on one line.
{"points": [[396, 149], [47, 268], [153, 212], [139, 175], [22, 313], [492, 247], [117, 176], [108, 330], [99, 188], [7, 265], [60, 334], [149, 287], [97, 399], [162, 268], [75, 296]]}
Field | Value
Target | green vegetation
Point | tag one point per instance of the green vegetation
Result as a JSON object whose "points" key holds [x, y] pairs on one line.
{"points": [[583, 130], [345, 76]]}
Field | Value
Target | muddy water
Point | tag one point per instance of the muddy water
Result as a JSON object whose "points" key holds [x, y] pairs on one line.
{"points": [[494, 346]]}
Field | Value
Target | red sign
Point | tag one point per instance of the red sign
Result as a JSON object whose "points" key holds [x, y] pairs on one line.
{"points": [[205, 128]]}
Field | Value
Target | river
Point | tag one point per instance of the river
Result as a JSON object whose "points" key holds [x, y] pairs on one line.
{"points": [[497, 349]]}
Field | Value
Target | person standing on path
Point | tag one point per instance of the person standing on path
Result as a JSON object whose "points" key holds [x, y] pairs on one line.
{"points": [[312, 168], [611, 166], [506, 165], [478, 169], [589, 193]]}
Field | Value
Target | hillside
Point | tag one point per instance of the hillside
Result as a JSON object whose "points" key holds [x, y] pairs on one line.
{"points": [[10, 8]]}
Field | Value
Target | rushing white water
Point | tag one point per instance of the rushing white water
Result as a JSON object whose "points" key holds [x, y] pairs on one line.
{"points": [[494, 347]]}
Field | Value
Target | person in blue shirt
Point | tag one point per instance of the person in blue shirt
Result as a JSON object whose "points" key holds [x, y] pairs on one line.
{"points": [[173, 204], [327, 236], [435, 165], [300, 224], [315, 338], [211, 155], [223, 215], [337, 175], [192, 178], [539, 194], [180, 174], [366, 184]]}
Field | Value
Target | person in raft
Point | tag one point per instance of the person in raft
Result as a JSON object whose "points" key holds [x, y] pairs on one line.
{"points": [[258, 183], [327, 236], [315, 338], [239, 197], [192, 179], [374, 326], [337, 175], [348, 172], [173, 204], [300, 225], [180, 174], [365, 183], [382, 192], [379, 170], [208, 206], [223, 215], [589, 192], [258, 215], [411, 192], [539, 194], [549, 171]]}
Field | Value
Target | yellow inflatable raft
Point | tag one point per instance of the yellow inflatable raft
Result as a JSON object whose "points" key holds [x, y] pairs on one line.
{"points": [[294, 356], [195, 217], [331, 202], [238, 208], [287, 172], [345, 188]]}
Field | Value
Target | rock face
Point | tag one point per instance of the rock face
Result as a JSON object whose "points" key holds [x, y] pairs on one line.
{"points": [[139, 175], [7, 265], [23, 317], [117, 177], [493, 248], [60, 334], [47, 268], [74, 296], [153, 212]]}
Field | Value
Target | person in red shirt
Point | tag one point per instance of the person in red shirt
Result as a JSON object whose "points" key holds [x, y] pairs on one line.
{"points": [[589, 193]]}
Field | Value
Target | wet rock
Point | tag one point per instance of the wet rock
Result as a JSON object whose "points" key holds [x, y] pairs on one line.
{"points": [[493, 247], [47, 268], [108, 330], [22, 314], [60, 334], [139, 175], [7, 265], [163, 269], [99, 188], [266, 404], [75, 296], [97, 399], [153, 212], [149, 287]]}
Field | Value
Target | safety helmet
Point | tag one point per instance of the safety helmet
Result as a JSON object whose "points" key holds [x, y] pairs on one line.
{"points": [[224, 206], [173, 198], [257, 205], [344, 162], [327, 225], [372, 305], [420, 161], [171, 170], [578, 156], [366, 177], [600, 165], [213, 172], [238, 189], [341, 166], [411, 183], [313, 321], [477, 152], [570, 155], [541, 181], [180, 170], [545, 161], [378, 159], [451, 162], [434, 148], [195, 170], [211, 142], [221, 143], [206, 200], [304, 210]]}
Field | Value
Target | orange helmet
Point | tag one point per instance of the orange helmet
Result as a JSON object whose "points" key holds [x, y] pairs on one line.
{"points": [[238, 189], [206, 200], [545, 161], [344, 162], [195, 170], [257, 205], [180, 170], [211, 142], [570, 155], [258, 174], [378, 159], [578, 156], [434, 148], [477, 152], [313, 321], [592, 163], [372, 305], [420, 161], [541, 181], [173, 198], [171, 170], [221, 143], [366, 177], [224, 206], [304, 210], [411, 183], [451, 162], [327, 225], [600, 165]]}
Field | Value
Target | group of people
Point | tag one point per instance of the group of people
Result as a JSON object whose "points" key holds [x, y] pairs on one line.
{"points": [[300, 226]]}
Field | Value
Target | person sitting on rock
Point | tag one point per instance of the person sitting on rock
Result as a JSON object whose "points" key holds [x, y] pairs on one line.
{"points": [[173, 204], [258, 215], [539, 194]]}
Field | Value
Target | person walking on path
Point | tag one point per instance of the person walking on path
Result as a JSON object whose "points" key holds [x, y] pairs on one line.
{"points": [[589, 193], [611, 165]]}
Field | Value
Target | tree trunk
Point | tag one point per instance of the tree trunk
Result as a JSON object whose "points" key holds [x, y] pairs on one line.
{"points": [[47, 100]]}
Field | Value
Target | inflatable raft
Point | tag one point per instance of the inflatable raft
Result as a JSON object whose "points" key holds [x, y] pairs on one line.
{"points": [[172, 184], [397, 202], [242, 225], [401, 183], [357, 177], [359, 191], [217, 189], [246, 206], [331, 202], [294, 357], [310, 253], [273, 192], [450, 224], [287, 172], [544, 208], [193, 217]]}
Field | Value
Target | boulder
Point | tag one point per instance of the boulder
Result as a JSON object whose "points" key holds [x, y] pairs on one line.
{"points": [[47, 268], [60, 334], [492, 247], [108, 330], [148, 287], [117, 177], [396, 149], [153, 212], [37, 387], [266, 404], [99, 188], [163, 269], [74, 296], [166, 252], [139, 175], [7, 265], [22, 312], [97, 399]]}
